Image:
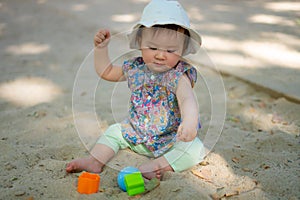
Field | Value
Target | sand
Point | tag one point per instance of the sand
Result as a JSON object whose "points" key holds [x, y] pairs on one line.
{"points": [[256, 156]]}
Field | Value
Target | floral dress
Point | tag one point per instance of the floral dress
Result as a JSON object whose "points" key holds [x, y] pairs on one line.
{"points": [[154, 115]]}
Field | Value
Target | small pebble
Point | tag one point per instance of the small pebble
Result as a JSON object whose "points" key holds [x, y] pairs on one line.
{"points": [[19, 193], [245, 169]]}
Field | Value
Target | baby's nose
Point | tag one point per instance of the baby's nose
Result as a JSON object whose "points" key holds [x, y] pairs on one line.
{"points": [[161, 55]]}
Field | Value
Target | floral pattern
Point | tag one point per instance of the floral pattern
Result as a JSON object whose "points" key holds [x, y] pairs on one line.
{"points": [[154, 115]]}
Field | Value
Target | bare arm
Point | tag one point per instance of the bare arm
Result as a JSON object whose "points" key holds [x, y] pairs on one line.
{"points": [[188, 106], [103, 66]]}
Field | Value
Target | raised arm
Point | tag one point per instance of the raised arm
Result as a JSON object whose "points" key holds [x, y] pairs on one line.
{"points": [[103, 66], [188, 106]]}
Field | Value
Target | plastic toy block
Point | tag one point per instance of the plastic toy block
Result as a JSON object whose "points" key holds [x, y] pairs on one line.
{"points": [[121, 176], [134, 183], [88, 183]]}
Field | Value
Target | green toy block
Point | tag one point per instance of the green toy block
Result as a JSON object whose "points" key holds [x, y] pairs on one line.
{"points": [[134, 183]]}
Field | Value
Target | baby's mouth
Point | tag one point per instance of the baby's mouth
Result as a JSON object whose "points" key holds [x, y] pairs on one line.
{"points": [[159, 64]]}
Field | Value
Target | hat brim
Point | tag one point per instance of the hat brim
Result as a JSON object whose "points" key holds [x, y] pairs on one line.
{"points": [[192, 48]]}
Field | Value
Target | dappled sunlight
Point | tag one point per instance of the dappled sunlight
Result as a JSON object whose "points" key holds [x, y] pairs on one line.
{"points": [[269, 121], [252, 53], [271, 19], [29, 91], [222, 8], [140, 1], [42, 1], [221, 44], [30, 48], [226, 183], [217, 27], [195, 14], [290, 40], [272, 53], [125, 18], [89, 127], [79, 7], [235, 60], [283, 6], [260, 119], [2, 28]]}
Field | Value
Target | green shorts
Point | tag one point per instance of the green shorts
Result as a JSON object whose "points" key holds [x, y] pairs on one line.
{"points": [[181, 156]]}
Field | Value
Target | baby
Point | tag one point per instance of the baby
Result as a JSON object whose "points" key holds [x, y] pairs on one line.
{"points": [[163, 113]]}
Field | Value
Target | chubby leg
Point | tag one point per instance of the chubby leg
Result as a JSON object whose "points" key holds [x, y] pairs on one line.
{"points": [[100, 155], [155, 168], [182, 156], [185, 155], [106, 147]]}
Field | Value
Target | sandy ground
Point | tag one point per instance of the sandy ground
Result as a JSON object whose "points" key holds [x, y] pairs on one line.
{"points": [[43, 44]]}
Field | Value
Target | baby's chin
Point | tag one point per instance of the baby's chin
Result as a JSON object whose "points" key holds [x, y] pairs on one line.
{"points": [[157, 68]]}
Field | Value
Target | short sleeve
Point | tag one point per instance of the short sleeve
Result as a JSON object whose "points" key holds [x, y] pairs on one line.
{"points": [[127, 65], [192, 75], [181, 69], [131, 70]]}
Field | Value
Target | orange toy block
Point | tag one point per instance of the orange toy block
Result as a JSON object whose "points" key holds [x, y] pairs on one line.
{"points": [[88, 183]]}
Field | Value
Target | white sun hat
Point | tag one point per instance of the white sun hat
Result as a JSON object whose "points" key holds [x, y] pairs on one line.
{"points": [[160, 12]]}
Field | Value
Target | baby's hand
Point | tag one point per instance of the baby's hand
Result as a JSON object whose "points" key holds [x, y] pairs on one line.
{"points": [[186, 133], [101, 39]]}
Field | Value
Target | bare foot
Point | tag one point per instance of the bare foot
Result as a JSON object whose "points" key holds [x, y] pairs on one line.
{"points": [[153, 169], [150, 172], [89, 164]]}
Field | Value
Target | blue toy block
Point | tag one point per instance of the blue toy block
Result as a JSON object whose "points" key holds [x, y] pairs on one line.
{"points": [[123, 173]]}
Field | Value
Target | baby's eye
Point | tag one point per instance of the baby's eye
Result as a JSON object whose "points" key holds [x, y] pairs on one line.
{"points": [[171, 51], [153, 48]]}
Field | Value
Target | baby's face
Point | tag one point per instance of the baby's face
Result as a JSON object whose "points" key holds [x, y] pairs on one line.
{"points": [[161, 49]]}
